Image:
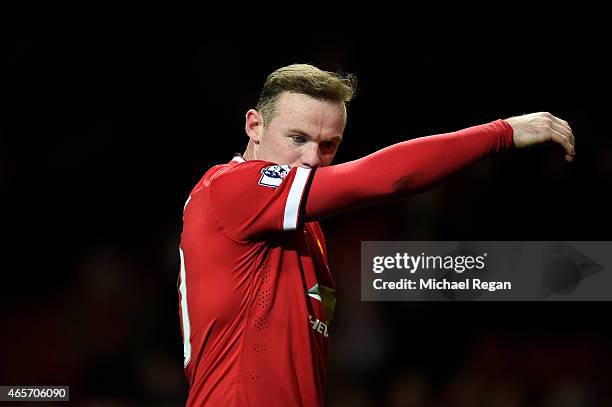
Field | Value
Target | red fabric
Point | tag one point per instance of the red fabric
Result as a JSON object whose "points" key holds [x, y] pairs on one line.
{"points": [[243, 207], [257, 337], [402, 169]]}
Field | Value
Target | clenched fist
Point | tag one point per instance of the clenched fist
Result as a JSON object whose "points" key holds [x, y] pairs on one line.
{"points": [[537, 128]]}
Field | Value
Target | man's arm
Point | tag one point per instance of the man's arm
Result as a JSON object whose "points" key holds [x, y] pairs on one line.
{"points": [[254, 198], [414, 165]]}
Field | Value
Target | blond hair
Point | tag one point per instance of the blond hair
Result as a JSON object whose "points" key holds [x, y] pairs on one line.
{"points": [[308, 80]]}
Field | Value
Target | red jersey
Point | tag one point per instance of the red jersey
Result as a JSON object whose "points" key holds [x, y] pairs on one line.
{"points": [[257, 328], [256, 294]]}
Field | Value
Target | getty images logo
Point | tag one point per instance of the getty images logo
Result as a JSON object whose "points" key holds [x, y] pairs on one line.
{"points": [[457, 262]]}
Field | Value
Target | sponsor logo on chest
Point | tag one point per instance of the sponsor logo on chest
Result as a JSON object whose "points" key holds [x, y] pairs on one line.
{"points": [[318, 326]]}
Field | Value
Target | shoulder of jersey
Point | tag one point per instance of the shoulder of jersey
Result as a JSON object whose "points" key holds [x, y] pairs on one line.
{"points": [[246, 167]]}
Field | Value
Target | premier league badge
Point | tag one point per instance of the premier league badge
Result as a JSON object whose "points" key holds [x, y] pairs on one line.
{"points": [[273, 175]]}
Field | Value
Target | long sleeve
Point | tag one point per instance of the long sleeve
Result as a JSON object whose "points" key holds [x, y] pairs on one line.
{"points": [[402, 169], [280, 198]]}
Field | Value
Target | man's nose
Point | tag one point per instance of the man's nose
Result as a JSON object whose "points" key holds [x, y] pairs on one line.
{"points": [[311, 157]]}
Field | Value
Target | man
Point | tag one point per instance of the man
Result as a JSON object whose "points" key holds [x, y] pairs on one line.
{"points": [[256, 294]]}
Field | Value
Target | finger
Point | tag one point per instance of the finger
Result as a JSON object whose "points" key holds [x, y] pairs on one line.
{"points": [[561, 122], [563, 140], [556, 119], [567, 133]]}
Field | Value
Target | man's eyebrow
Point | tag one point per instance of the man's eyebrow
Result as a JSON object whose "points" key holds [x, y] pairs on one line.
{"points": [[337, 139]]}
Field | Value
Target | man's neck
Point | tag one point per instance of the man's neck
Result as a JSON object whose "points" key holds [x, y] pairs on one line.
{"points": [[250, 152]]}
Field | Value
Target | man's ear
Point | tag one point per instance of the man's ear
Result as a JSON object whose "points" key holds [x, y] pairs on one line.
{"points": [[253, 125]]}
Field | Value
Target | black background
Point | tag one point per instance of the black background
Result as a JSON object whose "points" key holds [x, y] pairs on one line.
{"points": [[104, 132]]}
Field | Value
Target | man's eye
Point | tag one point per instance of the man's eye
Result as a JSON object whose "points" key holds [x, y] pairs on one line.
{"points": [[298, 139]]}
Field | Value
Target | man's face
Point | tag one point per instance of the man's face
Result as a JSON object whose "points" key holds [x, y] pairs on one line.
{"points": [[304, 132]]}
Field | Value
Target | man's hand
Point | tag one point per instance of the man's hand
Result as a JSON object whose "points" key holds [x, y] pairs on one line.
{"points": [[536, 128]]}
